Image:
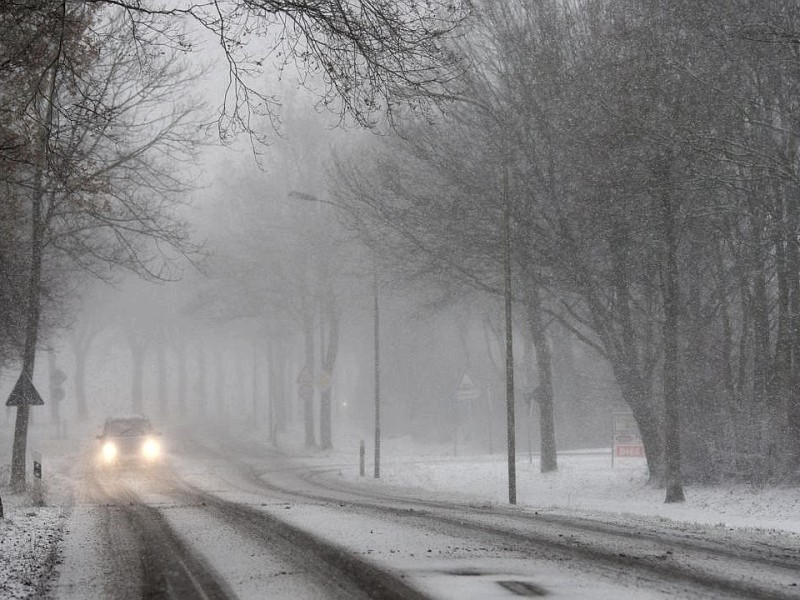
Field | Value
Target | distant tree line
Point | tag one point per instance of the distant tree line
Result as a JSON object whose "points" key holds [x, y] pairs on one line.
{"points": [[651, 150]]}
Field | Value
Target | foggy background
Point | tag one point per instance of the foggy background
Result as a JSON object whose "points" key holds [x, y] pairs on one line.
{"points": [[633, 165]]}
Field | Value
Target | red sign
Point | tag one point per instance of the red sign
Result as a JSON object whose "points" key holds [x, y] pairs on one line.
{"points": [[629, 451], [626, 439]]}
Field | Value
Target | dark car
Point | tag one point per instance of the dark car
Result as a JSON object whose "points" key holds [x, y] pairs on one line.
{"points": [[129, 440]]}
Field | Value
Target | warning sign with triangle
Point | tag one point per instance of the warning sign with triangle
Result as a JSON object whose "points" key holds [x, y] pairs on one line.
{"points": [[467, 390], [24, 394], [305, 377]]}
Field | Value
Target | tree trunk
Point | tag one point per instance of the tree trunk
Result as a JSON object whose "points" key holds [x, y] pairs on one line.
{"points": [[277, 414], [671, 292], [308, 398], [638, 396], [761, 324], [631, 369], [792, 393], [726, 346], [55, 404], [284, 381], [328, 365], [137, 356], [38, 225], [161, 359], [255, 415], [201, 388], [220, 386], [634, 381], [80, 382], [544, 391], [782, 363], [180, 350], [81, 342]]}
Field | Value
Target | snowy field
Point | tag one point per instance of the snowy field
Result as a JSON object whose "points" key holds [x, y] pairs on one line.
{"points": [[585, 485]]}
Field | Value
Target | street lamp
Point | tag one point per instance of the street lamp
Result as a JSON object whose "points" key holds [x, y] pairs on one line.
{"points": [[510, 416], [507, 296], [376, 324]]}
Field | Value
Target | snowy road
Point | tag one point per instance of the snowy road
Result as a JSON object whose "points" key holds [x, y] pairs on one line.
{"points": [[125, 548], [215, 525], [147, 534]]}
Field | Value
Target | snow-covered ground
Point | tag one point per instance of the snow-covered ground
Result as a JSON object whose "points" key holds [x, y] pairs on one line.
{"points": [[29, 535], [585, 484]]}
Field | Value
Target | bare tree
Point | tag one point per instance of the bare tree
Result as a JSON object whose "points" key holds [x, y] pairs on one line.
{"points": [[365, 58], [99, 179]]}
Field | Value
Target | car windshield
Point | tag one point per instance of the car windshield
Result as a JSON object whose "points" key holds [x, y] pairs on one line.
{"points": [[127, 427]]}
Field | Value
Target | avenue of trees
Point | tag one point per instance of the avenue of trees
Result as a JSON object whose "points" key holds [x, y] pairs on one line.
{"points": [[643, 153], [98, 129], [650, 150], [92, 133]]}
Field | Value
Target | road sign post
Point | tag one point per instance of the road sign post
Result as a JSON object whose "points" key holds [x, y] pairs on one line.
{"points": [[466, 392]]}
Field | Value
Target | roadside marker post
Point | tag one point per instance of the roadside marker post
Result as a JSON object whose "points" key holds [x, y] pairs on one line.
{"points": [[38, 497], [37, 465]]}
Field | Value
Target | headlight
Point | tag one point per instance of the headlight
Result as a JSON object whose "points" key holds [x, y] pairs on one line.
{"points": [[109, 452], [151, 449]]}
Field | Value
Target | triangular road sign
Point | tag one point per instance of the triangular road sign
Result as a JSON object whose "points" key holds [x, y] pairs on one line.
{"points": [[24, 394], [467, 383], [305, 377], [467, 390]]}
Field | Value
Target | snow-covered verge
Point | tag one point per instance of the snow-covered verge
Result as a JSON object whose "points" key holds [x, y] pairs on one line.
{"points": [[586, 484], [29, 538], [33, 527]]}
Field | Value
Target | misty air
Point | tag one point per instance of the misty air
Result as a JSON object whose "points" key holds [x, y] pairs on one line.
{"points": [[413, 300]]}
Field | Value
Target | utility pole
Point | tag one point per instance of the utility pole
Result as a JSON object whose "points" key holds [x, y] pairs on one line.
{"points": [[377, 322], [510, 414], [510, 421]]}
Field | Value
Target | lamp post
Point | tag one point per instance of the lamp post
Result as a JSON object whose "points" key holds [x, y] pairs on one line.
{"points": [[376, 324], [507, 296], [508, 314], [510, 403], [376, 332]]}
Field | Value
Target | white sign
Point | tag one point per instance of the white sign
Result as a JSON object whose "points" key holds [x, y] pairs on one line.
{"points": [[467, 390], [626, 439]]}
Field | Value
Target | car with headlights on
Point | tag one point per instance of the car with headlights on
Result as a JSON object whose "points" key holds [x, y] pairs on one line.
{"points": [[129, 441]]}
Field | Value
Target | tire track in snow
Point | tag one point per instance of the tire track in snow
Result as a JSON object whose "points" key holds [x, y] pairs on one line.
{"points": [[704, 566], [168, 567]]}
